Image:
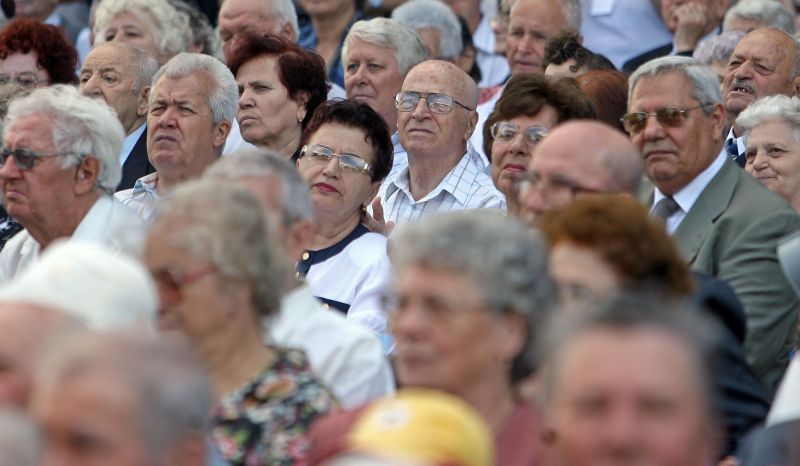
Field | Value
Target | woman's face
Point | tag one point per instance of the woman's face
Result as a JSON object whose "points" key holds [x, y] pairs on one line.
{"points": [[334, 190], [22, 68], [127, 27], [581, 274], [773, 157], [267, 116], [511, 157]]}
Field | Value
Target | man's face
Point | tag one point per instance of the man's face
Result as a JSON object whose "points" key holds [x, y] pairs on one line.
{"points": [[425, 133], [531, 24], [181, 136], [711, 12], [674, 156], [36, 197], [628, 397], [238, 16], [446, 337], [107, 75], [761, 65], [90, 419], [371, 77], [34, 9]]}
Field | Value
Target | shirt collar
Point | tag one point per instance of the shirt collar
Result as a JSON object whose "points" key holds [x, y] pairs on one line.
{"points": [[146, 185], [130, 141], [449, 183], [741, 141], [688, 195]]}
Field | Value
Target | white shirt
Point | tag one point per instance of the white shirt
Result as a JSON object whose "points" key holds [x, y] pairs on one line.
{"points": [[484, 110], [130, 141], [466, 186], [741, 143], [494, 67], [400, 160], [347, 358], [235, 141], [689, 194], [786, 406], [108, 223], [143, 197]]}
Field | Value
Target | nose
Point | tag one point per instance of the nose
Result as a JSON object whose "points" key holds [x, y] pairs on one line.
{"points": [[246, 99], [621, 432], [90, 88], [407, 323], [167, 119], [10, 169], [421, 111], [531, 200], [520, 144], [652, 128], [761, 161], [332, 168]]}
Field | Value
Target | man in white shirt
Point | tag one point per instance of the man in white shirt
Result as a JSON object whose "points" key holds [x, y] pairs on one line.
{"points": [[346, 356], [120, 74], [436, 116], [193, 101], [57, 168], [724, 222]]}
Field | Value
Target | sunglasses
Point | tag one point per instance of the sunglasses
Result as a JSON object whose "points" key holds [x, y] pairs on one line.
{"points": [[440, 104], [348, 162], [26, 158], [670, 117]]}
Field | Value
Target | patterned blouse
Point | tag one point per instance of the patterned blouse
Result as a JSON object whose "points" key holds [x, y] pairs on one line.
{"points": [[265, 421]]}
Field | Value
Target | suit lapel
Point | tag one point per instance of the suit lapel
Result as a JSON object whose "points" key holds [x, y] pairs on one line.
{"points": [[137, 164]]}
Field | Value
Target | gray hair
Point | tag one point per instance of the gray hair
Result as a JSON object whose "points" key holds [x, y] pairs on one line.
{"points": [[434, 14], [223, 97], [505, 260], [718, 49], [173, 392], [773, 107], [766, 12], [704, 82], [636, 310], [572, 13], [295, 201], [169, 26], [224, 225], [409, 49], [81, 125], [286, 11], [20, 439], [200, 26]]}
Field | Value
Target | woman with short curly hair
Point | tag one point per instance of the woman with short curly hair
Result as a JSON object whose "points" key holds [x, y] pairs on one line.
{"points": [[35, 54]]}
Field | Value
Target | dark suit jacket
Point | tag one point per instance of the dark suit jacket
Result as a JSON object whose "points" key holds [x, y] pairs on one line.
{"points": [[136, 165], [732, 232]]}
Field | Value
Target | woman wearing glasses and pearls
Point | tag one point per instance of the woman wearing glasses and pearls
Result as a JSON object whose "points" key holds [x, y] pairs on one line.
{"points": [[530, 107], [346, 153]]}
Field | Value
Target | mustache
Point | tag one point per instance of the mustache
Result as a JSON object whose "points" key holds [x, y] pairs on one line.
{"points": [[743, 84]]}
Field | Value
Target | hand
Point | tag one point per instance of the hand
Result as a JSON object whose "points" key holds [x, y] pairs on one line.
{"points": [[692, 23], [375, 222]]}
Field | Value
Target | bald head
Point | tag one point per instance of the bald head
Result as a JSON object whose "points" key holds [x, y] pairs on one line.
{"points": [[452, 80], [257, 16]]}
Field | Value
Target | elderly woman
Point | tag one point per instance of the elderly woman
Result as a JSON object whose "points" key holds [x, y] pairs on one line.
{"points": [[377, 54], [463, 308], [329, 22], [280, 86], [346, 153], [34, 54], [531, 105], [154, 25], [773, 145], [219, 274]]}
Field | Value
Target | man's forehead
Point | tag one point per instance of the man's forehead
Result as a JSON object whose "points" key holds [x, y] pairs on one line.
{"points": [[767, 45], [234, 8], [104, 62], [434, 79], [193, 87]]}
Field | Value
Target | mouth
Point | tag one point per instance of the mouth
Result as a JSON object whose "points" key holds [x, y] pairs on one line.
{"points": [[360, 97], [418, 130], [246, 120], [513, 167], [326, 188], [742, 89], [164, 138]]}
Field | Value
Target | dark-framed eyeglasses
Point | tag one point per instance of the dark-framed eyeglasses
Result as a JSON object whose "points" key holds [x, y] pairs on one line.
{"points": [[348, 162], [506, 131], [25, 79], [440, 104], [25, 157], [671, 117]]}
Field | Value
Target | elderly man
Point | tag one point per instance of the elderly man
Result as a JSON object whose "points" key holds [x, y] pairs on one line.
{"points": [[765, 62], [724, 222], [192, 104], [120, 74], [273, 16], [629, 383], [577, 157], [123, 400], [395, 48], [436, 116], [345, 356], [59, 163]]}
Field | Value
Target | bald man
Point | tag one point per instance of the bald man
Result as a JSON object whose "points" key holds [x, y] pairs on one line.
{"points": [[578, 157], [436, 116]]}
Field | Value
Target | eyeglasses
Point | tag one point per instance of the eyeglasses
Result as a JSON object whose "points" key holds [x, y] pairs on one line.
{"points": [[556, 186], [506, 131], [348, 162], [27, 79], [671, 117], [440, 104], [435, 309], [171, 282], [26, 158]]}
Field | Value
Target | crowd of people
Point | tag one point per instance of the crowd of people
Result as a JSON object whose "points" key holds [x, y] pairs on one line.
{"points": [[399, 232]]}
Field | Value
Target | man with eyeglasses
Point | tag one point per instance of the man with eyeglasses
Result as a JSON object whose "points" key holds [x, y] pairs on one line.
{"points": [[724, 222], [436, 116], [57, 169]]}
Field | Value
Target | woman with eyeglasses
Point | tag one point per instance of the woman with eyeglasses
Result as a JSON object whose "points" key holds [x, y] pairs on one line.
{"points": [[346, 152], [531, 106], [34, 54]]}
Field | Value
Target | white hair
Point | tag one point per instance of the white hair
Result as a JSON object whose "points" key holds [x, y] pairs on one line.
{"points": [[705, 84], [774, 107], [83, 126], [169, 26], [409, 49], [766, 12], [434, 14], [222, 99], [572, 13], [286, 11], [20, 439]]}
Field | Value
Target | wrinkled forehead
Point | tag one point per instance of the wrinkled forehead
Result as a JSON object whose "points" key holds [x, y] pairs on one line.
{"points": [[766, 44], [439, 79], [244, 9], [195, 87]]}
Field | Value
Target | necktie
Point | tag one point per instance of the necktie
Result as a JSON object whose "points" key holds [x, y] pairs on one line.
{"points": [[733, 150], [665, 208]]}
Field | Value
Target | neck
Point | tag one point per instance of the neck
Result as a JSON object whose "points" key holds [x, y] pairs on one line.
{"points": [[427, 171], [493, 401], [69, 217], [288, 142], [329, 231], [329, 28], [134, 125], [168, 179]]}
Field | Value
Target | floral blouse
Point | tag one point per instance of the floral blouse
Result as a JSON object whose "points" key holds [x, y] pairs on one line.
{"points": [[265, 421]]}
